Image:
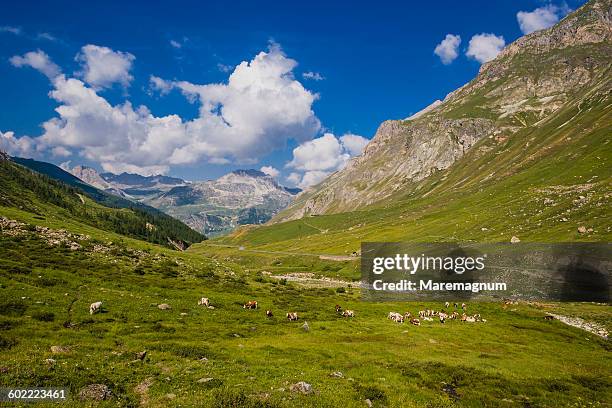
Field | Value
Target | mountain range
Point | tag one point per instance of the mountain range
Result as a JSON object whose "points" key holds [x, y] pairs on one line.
{"points": [[211, 207]]}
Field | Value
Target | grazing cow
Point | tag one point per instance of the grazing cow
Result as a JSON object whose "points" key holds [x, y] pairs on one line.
{"points": [[455, 304], [463, 317], [416, 322], [463, 306], [396, 317], [269, 313], [407, 315], [470, 319], [446, 305], [251, 304], [95, 307], [421, 314], [338, 309], [204, 302], [549, 317], [348, 313], [443, 317], [292, 316]]}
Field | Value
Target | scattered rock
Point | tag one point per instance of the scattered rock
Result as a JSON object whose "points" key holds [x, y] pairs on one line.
{"points": [[205, 380], [368, 403], [50, 361], [337, 374], [515, 239], [582, 229], [305, 326], [301, 387], [95, 392], [164, 306], [211, 307], [170, 396], [141, 355], [60, 349], [183, 314]]}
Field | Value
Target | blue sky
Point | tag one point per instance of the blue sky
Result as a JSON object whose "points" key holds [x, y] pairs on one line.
{"points": [[367, 62]]}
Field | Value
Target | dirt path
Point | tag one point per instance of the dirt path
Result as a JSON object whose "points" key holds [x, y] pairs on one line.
{"points": [[594, 328], [327, 257], [309, 280]]}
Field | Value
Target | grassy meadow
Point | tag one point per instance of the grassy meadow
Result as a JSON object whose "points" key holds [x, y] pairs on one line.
{"points": [[232, 357]]}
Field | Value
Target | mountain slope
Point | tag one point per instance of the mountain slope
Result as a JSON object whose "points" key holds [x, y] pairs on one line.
{"points": [[532, 82], [48, 190], [523, 150]]}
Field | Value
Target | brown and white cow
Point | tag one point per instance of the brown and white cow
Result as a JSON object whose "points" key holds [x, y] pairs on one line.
{"points": [[396, 317], [348, 313], [251, 304], [338, 309], [416, 322], [204, 302], [292, 316], [269, 313]]}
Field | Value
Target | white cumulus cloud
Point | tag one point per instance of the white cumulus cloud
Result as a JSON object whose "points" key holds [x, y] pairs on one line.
{"points": [[315, 76], [447, 49], [37, 60], [270, 171], [485, 47], [22, 146], [103, 67], [319, 157], [257, 111], [541, 18]]}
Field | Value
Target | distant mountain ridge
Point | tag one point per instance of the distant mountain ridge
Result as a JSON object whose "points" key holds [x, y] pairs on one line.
{"points": [[245, 196]]}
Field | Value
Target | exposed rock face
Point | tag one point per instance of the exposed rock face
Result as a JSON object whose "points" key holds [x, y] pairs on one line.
{"points": [[90, 176], [529, 81]]}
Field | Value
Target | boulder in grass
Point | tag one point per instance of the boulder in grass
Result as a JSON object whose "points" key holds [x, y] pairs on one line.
{"points": [[301, 387], [95, 392]]}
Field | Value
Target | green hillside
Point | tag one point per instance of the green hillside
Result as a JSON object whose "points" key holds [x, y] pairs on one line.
{"points": [[232, 357], [48, 197], [539, 185]]}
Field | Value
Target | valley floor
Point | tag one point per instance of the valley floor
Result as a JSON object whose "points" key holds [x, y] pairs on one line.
{"points": [[229, 356]]}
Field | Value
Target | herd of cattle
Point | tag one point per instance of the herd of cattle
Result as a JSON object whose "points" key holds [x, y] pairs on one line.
{"points": [[427, 315]]}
